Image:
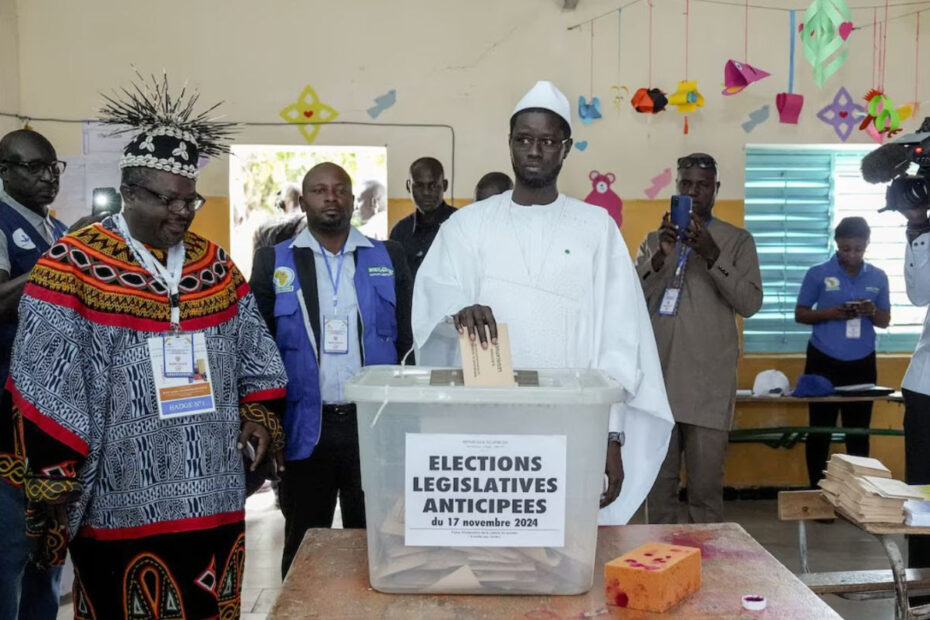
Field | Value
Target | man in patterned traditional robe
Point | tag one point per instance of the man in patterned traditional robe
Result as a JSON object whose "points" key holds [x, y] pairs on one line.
{"points": [[132, 461]]}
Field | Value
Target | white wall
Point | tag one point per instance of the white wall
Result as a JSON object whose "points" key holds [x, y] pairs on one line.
{"points": [[9, 65], [464, 63]]}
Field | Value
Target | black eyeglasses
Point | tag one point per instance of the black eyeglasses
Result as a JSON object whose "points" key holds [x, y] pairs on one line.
{"points": [[701, 161], [175, 205], [55, 168], [548, 144]]}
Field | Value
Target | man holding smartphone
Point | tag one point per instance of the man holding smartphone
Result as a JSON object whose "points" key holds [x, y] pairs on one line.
{"points": [[696, 280]]}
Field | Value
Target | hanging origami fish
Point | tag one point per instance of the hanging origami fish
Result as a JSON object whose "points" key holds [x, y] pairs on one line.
{"points": [[649, 100], [822, 35], [687, 98], [589, 112], [739, 75], [756, 117]]}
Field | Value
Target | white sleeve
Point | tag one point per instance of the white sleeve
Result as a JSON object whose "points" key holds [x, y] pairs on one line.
{"points": [[442, 288], [628, 353], [916, 271]]}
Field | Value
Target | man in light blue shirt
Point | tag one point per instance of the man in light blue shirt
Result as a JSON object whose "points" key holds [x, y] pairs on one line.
{"points": [[335, 301]]}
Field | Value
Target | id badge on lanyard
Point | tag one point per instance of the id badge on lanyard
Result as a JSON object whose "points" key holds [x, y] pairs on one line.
{"points": [[672, 297], [335, 325], [178, 350]]}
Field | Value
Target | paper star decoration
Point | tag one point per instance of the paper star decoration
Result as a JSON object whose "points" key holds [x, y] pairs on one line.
{"points": [[843, 114], [309, 112]]}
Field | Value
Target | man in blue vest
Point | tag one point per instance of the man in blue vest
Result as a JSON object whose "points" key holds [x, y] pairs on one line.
{"points": [[29, 169], [335, 301]]}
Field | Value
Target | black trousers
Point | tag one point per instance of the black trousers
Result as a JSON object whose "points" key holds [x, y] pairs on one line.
{"points": [[855, 414], [917, 464], [309, 487]]}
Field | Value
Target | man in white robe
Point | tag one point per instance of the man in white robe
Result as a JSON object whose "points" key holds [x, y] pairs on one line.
{"points": [[557, 271]]}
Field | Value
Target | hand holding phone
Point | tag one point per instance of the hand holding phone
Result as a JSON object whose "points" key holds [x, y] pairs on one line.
{"points": [[681, 213]]}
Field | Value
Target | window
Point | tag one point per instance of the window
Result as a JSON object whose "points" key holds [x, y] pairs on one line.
{"points": [[794, 198]]}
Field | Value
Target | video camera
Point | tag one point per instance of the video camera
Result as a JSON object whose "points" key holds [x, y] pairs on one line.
{"points": [[891, 161]]}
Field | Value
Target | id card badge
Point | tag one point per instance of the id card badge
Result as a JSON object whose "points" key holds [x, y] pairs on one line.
{"points": [[854, 328], [178, 351], [192, 394], [669, 306], [336, 335]]}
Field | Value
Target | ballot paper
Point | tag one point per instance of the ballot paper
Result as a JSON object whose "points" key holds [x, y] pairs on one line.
{"points": [[491, 367], [468, 570]]}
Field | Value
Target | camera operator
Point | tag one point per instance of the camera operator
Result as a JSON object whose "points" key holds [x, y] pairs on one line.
{"points": [[916, 383]]}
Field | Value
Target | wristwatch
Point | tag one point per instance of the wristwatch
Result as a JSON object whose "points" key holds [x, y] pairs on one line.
{"points": [[618, 438]]}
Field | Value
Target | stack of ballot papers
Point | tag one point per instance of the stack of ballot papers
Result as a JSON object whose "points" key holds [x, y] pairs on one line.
{"points": [[917, 512], [397, 567], [863, 488]]}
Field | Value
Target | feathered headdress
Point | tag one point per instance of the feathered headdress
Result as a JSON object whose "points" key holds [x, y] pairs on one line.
{"points": [[170, 136]]}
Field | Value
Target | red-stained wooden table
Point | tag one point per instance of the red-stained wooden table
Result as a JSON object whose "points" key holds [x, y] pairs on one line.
{"points": [[329, 579]]}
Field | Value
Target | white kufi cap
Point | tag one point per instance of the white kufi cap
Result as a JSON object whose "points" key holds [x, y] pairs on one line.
{"points": [[546, 96]]}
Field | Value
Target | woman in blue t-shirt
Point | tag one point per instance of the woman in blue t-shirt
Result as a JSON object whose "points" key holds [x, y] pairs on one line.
{"points": [[844, 299]]}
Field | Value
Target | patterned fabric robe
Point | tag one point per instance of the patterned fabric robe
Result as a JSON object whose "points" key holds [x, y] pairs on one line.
{"points": [[156, 525]]}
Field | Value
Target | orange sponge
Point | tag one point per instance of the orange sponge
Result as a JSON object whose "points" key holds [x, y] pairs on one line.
{"points": [[653, 577]]}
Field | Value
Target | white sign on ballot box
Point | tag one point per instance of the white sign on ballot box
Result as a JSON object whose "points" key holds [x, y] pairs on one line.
{"points": [[485, 490]]}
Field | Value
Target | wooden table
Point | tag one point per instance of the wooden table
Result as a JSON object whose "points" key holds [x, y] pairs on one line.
{"points": [[884, 533], [329, 579], [895, 397], [789, 436]]}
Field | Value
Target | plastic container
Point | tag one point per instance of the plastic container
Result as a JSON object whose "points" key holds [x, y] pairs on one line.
{"points": [[531, 530]]}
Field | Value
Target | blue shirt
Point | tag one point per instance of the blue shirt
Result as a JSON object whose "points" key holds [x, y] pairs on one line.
{"points": [[336, 368], [827, 285]]}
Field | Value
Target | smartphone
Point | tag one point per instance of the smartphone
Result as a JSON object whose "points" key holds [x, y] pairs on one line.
{"points": [[681, 213]]}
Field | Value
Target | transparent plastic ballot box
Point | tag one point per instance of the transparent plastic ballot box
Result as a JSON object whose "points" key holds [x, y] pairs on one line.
{"points": [[482, 490]]}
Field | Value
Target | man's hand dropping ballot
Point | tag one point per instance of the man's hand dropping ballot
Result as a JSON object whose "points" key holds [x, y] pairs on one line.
{"points": [[486, 362]]}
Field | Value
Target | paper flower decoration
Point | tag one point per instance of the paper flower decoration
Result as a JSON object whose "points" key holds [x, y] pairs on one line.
{"points": [[881, 113], [686, 98], [649, 100], [789, 107], [589, 112], [843, 114], [822, 35], [739, 75]]}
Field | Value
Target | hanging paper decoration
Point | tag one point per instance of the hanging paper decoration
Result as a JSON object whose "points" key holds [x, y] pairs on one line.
{"points": [[789, 104], [881, 113], [824, 45], [687, 98], [649, 100], [738, 75], [789, 107], [581, 144], [906, 110], [873, 133], [843, 114], [756, 117], [589, 112], [621, 93]]}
